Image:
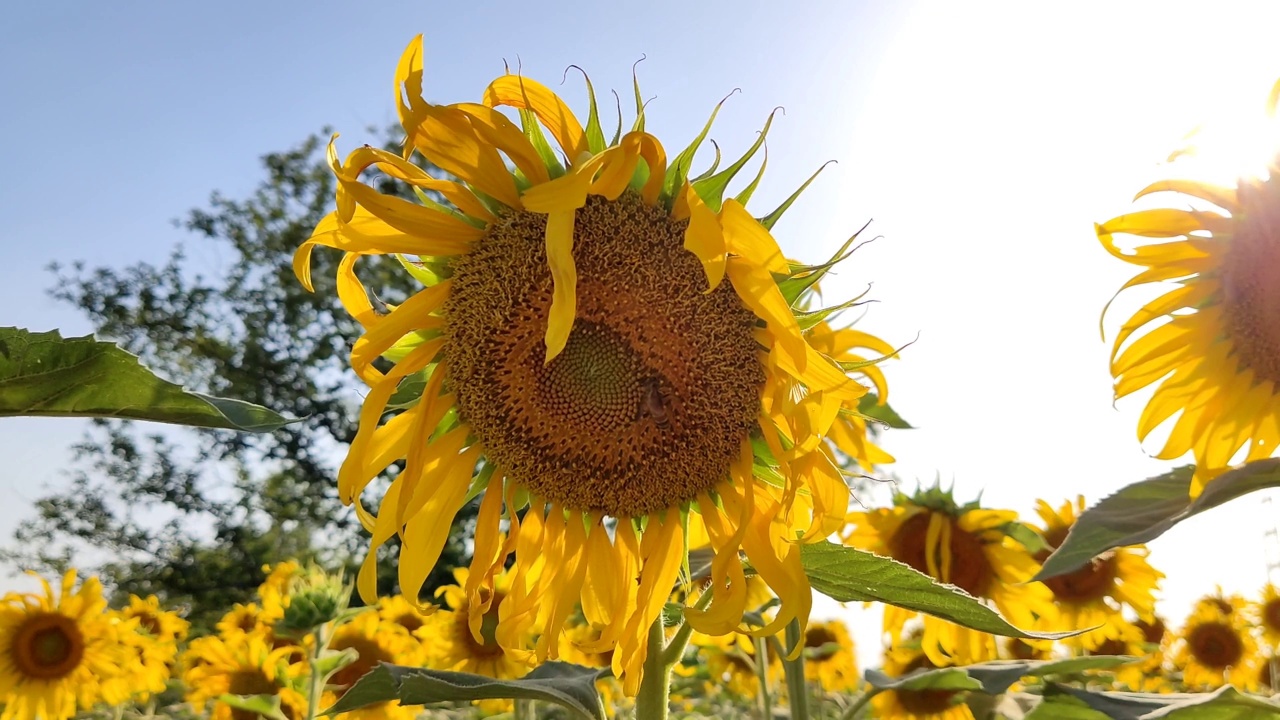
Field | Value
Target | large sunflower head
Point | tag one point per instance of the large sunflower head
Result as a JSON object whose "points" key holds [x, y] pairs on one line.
{"points": [[1267, 616], [1094, 596], [602, 345], [59, 652], [1216, 648], [964, 545], [916, 704], [1211, 344], [241, 664]]}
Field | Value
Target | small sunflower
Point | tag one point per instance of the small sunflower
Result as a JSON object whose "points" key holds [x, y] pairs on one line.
{"points": [[1213, 341], [241, 664], [1267, 612], [1095, 595], [153, 664], [397, 609], [375, 641], [731, 663], [167, 627], [849, 433], [242, 618], [59, 651], [467, 636], [1149, 675], [966, 546], [916, 704], [830, 660], [1216, 648], [1232, 605], [601, 346], [274, 590], [1012, 648]]}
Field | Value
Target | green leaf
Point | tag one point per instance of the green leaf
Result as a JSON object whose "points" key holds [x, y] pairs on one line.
{"points": [[1062, 707], [1225, 703], [570, 686], [595, 135], [1144, 510], [43, 374], [267, 706], [871, 406], [847, 574], [409, 392], [711, 189], [994, 677], [533, 131]]}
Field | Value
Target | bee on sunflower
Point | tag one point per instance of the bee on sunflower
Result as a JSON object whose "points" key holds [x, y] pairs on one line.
{"points": [[60, 652], [1216, 648], [602, 346], [965, 545], [899, 704], [1095, 595], [1211, 344]]}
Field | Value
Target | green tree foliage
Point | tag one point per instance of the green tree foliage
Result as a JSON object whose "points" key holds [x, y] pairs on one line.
{"points": [[193, 515]]}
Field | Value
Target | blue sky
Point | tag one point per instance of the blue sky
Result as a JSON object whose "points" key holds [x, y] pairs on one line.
{"points": [[983, 139]]}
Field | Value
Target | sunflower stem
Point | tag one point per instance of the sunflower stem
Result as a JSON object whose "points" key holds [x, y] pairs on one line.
{"points": [[523, 710], [762, 674], [674, 651], [653, 699], [315, 686], [797, 691], [860, 703]]}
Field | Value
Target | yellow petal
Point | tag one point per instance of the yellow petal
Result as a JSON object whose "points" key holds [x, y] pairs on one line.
{"points": [[565, 281], [745, 236], [704, 237], [505, 135], [520, 92]]}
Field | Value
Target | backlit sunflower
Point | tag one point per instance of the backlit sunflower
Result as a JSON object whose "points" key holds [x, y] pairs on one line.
{"points": [[966, 546], [375, 641], [1267, 612], [461, 643], [601, 344], [849, 432], [1095, 595], [1215, 649], [58, 650], [829, 657], [241, 664], [1233, 605], [916, 704], [1213, 341]]}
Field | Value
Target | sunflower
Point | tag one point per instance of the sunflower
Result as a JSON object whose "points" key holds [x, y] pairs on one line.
{"points": [[165, 626], [1267, 616], [241, 664], [1216, 648], [829, 657], [59, 651], [461, 643], [154, 658], [1213, 342], [916, 704], [1012, 648], [601, 346], [242, 618], [966, 546], [730, 661], [849, 433], [1094, 595], [397, 609], [375, 641], [1150, 674], [1233, 605]]}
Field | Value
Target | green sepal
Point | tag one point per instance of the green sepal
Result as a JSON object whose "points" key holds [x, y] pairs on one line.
{"points": [[638, 126], [428, 202], [494, 206], [480, 482], [418, 270], [869, 405], [804, 277], [595, 135], [533, 131], [640, 176], [768, 221], [714, 164], [678, 170], [807, 320], [936, 499], [745, 196], [617, 134], [331, 662], [711, 189]]}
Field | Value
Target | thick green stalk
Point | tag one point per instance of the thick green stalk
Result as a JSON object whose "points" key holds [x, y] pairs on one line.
{"points": [[762, 674], [653, 699], [797, 691], [861, 702], [315, 684]]}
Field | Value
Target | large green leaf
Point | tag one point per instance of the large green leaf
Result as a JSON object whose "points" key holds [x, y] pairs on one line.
{"points": [[1144, 510], [992, 678], [1061, 707], [850, 575], [44, 374], [570, 686], [1225, 703]]}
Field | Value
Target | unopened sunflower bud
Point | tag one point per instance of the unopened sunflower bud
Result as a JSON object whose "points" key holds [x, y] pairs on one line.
{"points": [[313, 598]]}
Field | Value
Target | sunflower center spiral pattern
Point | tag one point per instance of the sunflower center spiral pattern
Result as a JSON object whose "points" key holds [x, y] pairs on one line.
{"points": [[1215, 645], [656, 388], [970, 569], [1251, 279], [47, 647]]}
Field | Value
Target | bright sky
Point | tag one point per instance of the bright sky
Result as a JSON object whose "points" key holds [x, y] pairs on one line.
{"points": [[984, 139]]}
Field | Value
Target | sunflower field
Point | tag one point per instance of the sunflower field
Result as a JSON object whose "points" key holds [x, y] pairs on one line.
{"points": [[663, 430]]}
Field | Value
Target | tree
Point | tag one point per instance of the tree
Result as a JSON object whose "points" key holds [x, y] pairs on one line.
{"points": [[194, 515]]}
